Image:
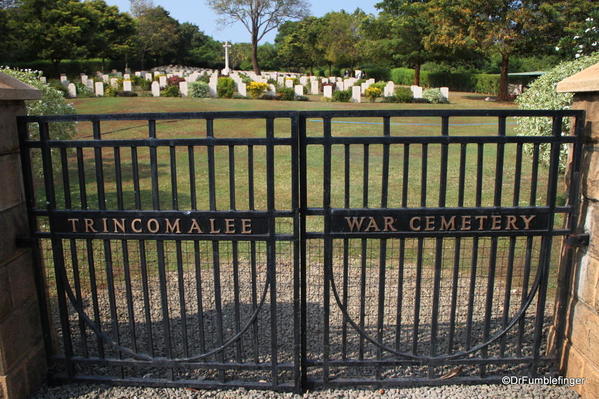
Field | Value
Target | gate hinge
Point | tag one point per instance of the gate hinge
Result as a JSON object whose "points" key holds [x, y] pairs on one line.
{"points": [[577, 240], [24, 242]]}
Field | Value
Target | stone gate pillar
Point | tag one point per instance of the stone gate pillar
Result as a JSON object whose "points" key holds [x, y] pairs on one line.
{"points": [[22, 352], [577, 308]]}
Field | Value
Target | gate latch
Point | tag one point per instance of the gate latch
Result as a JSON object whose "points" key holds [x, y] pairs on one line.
{"points": [[577, 240]]}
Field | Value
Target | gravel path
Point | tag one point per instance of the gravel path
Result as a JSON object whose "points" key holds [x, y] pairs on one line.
{"points": [[83, 391]]}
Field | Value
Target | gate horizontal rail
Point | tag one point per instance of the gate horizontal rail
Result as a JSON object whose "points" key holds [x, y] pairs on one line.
{"points": [[274, 253]]}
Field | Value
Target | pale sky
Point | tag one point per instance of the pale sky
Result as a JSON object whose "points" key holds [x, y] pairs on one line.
{"points": [[198, 13]]}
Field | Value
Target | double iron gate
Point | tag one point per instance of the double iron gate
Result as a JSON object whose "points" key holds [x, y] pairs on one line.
{"points": [[288, 250]]}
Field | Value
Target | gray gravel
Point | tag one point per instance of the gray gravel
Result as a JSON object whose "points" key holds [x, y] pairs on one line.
{"points": [[83, 391]]}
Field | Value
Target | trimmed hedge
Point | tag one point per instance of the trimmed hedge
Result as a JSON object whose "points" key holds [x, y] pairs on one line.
{"points": [[70, 67], [459, 81]]}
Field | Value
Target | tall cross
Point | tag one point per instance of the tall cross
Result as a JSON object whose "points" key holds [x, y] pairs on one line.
{"points": [[226, 46]]}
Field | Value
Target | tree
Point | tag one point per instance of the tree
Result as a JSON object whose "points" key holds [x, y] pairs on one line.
{"points": [[504, 27], [259, 17], [196, 48], [298, 43], [340, 38], [138, 7], [398, 35], [157, 35]]}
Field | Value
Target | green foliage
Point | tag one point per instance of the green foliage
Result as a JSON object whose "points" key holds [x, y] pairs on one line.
{"points": [[203, 78], [342, 96], [225, 87], [256, 89], [170, 91], [379, 85], [402, 76], [542, 95], [110, 91], [404, 95], [199, 90], [83, 91], [52, 102], [286, 94], [434, 96], [486, 83], [377, 72], [372, 93]]}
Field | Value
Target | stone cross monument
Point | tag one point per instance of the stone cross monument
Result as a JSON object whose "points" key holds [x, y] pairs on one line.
{"points": [[226, 70]]}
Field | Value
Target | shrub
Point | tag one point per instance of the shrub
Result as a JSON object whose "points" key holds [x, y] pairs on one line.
{"points": [[174, 80], [203, 78], [404, 95], [486, 83], [57, 85], [126, 94], [377, 72], [52, 102], [225, 87], [380, 85], [286, 94], [170, 91], [199, 89], [402, 76], [434, 96], [300, 98], [109, 91], [541, 95], [342, 96], [372, 93], [83, 90], [256, 89]]}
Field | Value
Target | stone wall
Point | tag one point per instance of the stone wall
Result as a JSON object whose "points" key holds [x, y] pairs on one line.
{"points": [[22, 352], [578, 329]]}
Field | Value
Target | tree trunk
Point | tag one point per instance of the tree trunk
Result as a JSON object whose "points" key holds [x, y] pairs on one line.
{"points": [[503, 78], [255, 54], [417, 74]]}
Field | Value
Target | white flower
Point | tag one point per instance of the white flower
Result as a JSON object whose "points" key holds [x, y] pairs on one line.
{"points": [[576, 37], [556, 48], [587, 30], [577, 55]]}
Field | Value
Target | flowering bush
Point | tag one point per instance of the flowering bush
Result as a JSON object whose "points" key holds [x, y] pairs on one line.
{"points": [[373, 93], [174, 80], [255, 89], [542, 95], [585, 39], [434, 96]]}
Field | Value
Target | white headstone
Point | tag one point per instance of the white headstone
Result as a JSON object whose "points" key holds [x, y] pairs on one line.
{"points": [[138, 74], [148, 76], [105, 78], [169, 75], [90, 84], [327, 91], [339, 85], [63, 78], [272, 89], [183, 89], [358, 74], [162, 81], [99, 88], [83, 78], [212, 83], [127, 76], [303, 80], [314, 87], [289, 83], [72, 90], [370, 82], [156, 89], [281, 80], [417, 91], [325, 80], [114, 82], [356, 94], [445, 92], [364, 86], [127, 85], [389, 89], [242, 89], [299, 90]]}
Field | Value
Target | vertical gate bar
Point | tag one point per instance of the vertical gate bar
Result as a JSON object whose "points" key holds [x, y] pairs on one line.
{"points": [[545, 260], [30, 198], [251, 206], [457, 252], [423, 178], [326, 199], [81, 175], [178, 250], [346, 204], [272, 256], [125, 248], [303, 204], [474, 258], [364, 243], [439, 245], [142, 255], [512, 249], [196, 251], [494, 242], [215, 250], [402, 245], [73, 247], [296, 254], [57, 252], [237, 317], [94, 292], [383, 245], [99, 164], [529, 245], [160, 246]]}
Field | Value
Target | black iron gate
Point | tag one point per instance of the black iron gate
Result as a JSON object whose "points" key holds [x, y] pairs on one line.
{"points": [[288, 250]]}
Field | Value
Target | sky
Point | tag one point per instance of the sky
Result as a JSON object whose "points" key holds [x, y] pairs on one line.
{"points": [[198, 13]]}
